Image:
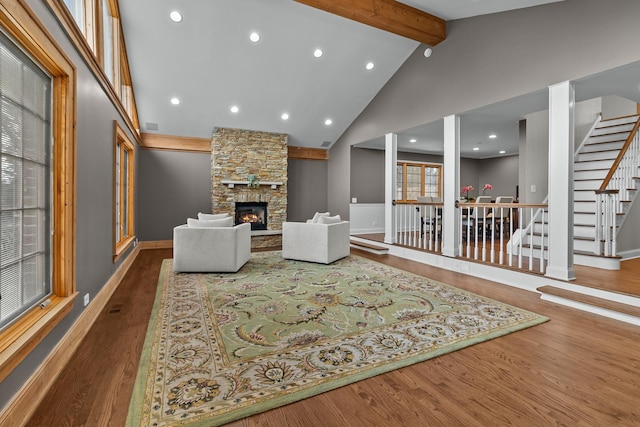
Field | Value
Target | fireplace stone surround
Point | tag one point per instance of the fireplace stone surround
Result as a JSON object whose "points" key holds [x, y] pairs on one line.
{"points": [[238, 153]]}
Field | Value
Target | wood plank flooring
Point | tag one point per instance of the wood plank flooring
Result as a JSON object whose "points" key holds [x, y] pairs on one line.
{"points": [[576, 369], [626, 280]]}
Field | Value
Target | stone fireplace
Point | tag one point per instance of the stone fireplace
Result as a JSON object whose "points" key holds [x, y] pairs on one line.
{"points": [[235, 155]]}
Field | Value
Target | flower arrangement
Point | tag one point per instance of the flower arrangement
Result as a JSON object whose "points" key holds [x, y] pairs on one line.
{"points": [[486, 188], [466, 190]]}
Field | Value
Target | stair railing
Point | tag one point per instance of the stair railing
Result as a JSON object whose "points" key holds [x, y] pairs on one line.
{"points": [[419, 225], [614, 191]]}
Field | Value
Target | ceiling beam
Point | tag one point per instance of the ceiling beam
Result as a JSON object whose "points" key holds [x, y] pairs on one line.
{"points": [[388, 15]]}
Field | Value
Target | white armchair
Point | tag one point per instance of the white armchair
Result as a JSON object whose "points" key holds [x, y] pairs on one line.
{"points": [[322, 243], [211, 249]]}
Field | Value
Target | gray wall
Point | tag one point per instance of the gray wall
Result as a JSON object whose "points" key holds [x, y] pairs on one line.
{"points": [[491, 58], [94, 199], [367, 172], [306, 188], [172, 186], [501, 173]]}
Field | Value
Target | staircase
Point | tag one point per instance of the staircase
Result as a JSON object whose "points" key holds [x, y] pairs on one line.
{"points": [[593, 164]]}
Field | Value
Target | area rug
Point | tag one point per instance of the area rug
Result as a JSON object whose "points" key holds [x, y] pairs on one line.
{"points": [[220, 347]]}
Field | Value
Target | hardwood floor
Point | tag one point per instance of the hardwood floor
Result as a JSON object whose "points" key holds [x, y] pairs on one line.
{"points": [[576, 369], [626, 280]]}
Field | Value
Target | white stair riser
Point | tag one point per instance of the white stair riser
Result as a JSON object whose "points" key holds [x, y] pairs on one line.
{"points": [[599, 155], [611, 138], [584, 207], [589, 147], [613, 129], [599, 174], [536, 254], [582, 218], [617, 121], [583, 245], [584, 196], [591, 184], [597, 262], [584, 231], [593, 164]]}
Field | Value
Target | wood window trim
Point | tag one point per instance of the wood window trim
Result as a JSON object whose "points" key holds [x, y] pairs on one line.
{"points": [[423, 165], [121, 138], [23, 335], [88, 47]]}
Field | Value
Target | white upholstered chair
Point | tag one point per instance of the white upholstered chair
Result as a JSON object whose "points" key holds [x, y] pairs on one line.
{"points": [[322, 243], [211, 249]]}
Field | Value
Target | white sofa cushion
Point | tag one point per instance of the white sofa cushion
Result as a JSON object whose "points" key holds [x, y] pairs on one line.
{"points": [[329, 219], [318, 215], [223, 222], [209, 217]]}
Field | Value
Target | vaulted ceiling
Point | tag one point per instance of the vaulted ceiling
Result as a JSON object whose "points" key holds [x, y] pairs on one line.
{"points": [[208, 62]]}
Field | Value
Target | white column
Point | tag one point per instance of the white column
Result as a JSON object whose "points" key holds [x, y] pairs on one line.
{"points": [[390, 161], [561, 147], [451, 180]]}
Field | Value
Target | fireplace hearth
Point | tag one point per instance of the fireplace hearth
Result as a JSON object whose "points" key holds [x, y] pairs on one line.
{"points": [[254, 213]]}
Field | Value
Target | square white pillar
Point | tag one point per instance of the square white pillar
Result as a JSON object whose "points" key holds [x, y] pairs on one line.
{"points": [[451, 180], [560, 201], [390, 162]]}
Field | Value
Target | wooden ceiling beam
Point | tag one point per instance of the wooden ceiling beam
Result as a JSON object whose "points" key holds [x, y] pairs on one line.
{"points": [[388, 15]]}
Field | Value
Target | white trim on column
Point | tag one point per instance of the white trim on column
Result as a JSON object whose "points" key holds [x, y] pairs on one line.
{"points": [[451, 180], [390, 161], [560, 201]]}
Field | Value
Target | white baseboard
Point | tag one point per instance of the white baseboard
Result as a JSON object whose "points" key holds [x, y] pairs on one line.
{"points": [[630, 254]]}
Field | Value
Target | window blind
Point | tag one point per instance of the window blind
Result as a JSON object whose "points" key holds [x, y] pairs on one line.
{"points": [[25, 187]]}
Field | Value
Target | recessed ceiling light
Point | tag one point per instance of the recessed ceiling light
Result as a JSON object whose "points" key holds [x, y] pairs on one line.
{"points": [[317, 53], [427, 52], [254, 37], [328, 122], [412, 140], [175, 16], [234, 109], [493, 136], [369, 66], [476, 148], [502, 151], [175, 101], [285, 116]]}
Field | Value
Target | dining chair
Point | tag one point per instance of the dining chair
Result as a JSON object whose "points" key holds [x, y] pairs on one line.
{"points": [[502, 215]]}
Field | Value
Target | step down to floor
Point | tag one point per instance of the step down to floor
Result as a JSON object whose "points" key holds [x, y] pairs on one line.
{"points": [[368, 247], [591, 300]]}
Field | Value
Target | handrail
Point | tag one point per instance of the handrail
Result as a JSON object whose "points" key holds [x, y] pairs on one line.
{"points": [[621, 154]]}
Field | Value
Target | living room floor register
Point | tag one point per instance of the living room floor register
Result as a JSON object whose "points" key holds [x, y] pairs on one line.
{"points": [[220, 347]]}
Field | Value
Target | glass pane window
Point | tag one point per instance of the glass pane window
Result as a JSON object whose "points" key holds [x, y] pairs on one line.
{"points": [[123, 178], [418, 179], [25, 187], [76, 7], [107, 40]]}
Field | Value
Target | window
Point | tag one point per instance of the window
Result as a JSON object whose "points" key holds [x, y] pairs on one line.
{"points": [[25, 192], [94, 27], [418, 179], [37, 185], [123, 196]]}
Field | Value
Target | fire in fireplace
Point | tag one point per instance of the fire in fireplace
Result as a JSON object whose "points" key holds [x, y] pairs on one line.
{"points": [[252, 212]]}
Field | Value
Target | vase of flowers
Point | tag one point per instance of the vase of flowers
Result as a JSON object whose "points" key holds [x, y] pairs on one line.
{"points": [[466, 193], [486, 188]]}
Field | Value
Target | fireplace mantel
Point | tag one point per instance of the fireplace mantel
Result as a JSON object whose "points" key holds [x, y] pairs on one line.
{"points": [[231, 184]]}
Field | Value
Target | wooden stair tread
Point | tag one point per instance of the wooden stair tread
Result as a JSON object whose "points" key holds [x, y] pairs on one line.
{"points": [[369, 246], [591, 300]]}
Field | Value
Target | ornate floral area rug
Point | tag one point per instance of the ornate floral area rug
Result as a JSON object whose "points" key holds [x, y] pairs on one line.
{"points": [[220, 347]]}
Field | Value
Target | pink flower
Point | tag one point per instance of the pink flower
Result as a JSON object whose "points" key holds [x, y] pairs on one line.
{"points": [[466, 189], [487, 187]]}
